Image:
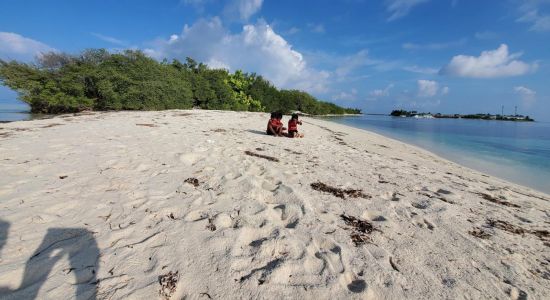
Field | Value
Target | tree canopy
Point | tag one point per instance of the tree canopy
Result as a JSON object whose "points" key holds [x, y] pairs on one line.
{"points": [[99, 80]]}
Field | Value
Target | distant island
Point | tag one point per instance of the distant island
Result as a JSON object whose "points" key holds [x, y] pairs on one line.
{"points": [[96, 79], [422, 115]]}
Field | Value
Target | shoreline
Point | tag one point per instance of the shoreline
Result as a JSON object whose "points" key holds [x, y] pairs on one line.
{"points": [[522, 175], [210, 204]]}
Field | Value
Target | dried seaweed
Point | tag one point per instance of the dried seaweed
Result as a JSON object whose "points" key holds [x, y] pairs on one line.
{"points": [[168, 284], [338, 192], [479, 233], [506, 226], [193, 181], [497, 200], [270, 158], [361, 229], [147, 125], [541, 234], [51, 125]]}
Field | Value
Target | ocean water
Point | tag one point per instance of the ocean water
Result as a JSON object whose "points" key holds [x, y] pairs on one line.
{"points": [[516, 151], [14, 110]]}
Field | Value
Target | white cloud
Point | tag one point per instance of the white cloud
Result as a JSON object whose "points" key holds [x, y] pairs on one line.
{"points": [[527, 95], [292, 31], [243, 9], [258, 48], [15, 46], [445, 90], [433, 46], [490, 64], [427, 88], [316, 28], [531, 13], [345, 96], [420, 70], [381, 92], [348, 64], [486, 35], [401, 8], [109, 39]]}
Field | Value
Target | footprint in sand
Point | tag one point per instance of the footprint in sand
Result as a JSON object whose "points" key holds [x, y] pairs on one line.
{"points": [[331, 255], [288, 213]]}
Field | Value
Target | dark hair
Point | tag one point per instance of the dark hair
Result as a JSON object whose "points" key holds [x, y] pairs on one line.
{"points": [[279, 115], [274, 115], [295, 116]]}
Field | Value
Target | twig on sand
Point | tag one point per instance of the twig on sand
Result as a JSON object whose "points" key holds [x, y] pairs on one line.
{"points": [[261, 156]]}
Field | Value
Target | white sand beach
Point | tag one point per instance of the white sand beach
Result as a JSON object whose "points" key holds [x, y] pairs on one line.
{"points": [[204, 205]]}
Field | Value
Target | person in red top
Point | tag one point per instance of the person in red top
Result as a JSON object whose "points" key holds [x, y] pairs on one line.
{"points": [[293, 127], [274, 125]]}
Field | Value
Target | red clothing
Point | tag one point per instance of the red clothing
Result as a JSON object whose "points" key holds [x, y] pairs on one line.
{"points": [[274, 123], [293, 125]]}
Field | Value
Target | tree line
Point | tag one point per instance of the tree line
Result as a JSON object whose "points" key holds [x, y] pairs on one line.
{"points": [[130, 80]]}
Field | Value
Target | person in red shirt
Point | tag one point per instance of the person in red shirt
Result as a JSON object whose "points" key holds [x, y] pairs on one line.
{"points": [[293, 127], [274, 125]]}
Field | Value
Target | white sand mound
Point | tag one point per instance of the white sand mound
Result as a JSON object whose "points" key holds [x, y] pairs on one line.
{"points": [[170, 205]]}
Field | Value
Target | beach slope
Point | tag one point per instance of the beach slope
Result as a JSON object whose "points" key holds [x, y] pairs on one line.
{"points": [[204, 205]]}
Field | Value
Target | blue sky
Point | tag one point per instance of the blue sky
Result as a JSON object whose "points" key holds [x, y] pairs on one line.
{"points": [[444, 56]]}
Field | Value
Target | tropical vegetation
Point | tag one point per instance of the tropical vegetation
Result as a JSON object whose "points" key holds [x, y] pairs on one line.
{"points": [[130, 80]]}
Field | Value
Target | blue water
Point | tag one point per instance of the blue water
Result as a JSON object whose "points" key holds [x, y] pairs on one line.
{"points": [[515, 151], [14, 110]]}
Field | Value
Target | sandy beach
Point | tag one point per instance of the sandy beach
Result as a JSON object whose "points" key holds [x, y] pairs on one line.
{"points": [[203, 205]]}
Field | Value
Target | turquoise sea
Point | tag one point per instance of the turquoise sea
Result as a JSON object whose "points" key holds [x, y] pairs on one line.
{"points": [[516, 151]]}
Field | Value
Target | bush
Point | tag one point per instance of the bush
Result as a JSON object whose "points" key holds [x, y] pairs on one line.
{"points": [[99, 80]]}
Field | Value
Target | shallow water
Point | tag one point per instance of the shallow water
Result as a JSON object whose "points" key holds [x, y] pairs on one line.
{"points": [[515, 151], [14, 110]]}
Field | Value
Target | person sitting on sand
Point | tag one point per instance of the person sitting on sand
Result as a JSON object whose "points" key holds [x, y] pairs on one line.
{"points": [[274, 125], [293, 127]]}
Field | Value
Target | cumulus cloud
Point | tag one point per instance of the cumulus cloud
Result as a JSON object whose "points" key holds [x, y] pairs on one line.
{"points": [[527, 95], [258, 48], [15, 46], [427, 88], [530, 12], [243, 9], [490, 64], [401, 8]]}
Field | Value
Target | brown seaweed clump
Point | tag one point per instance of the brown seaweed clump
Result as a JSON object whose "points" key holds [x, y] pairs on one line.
{"points": [[168, 284], [338, 192], [360, 229]]}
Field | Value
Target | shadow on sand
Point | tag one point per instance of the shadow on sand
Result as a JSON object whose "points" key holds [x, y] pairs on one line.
{"points": [[256, 131], [78, 244]]}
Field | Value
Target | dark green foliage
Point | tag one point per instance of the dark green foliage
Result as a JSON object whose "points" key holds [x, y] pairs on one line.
{"points": [[400, 112], [99, 80]]}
